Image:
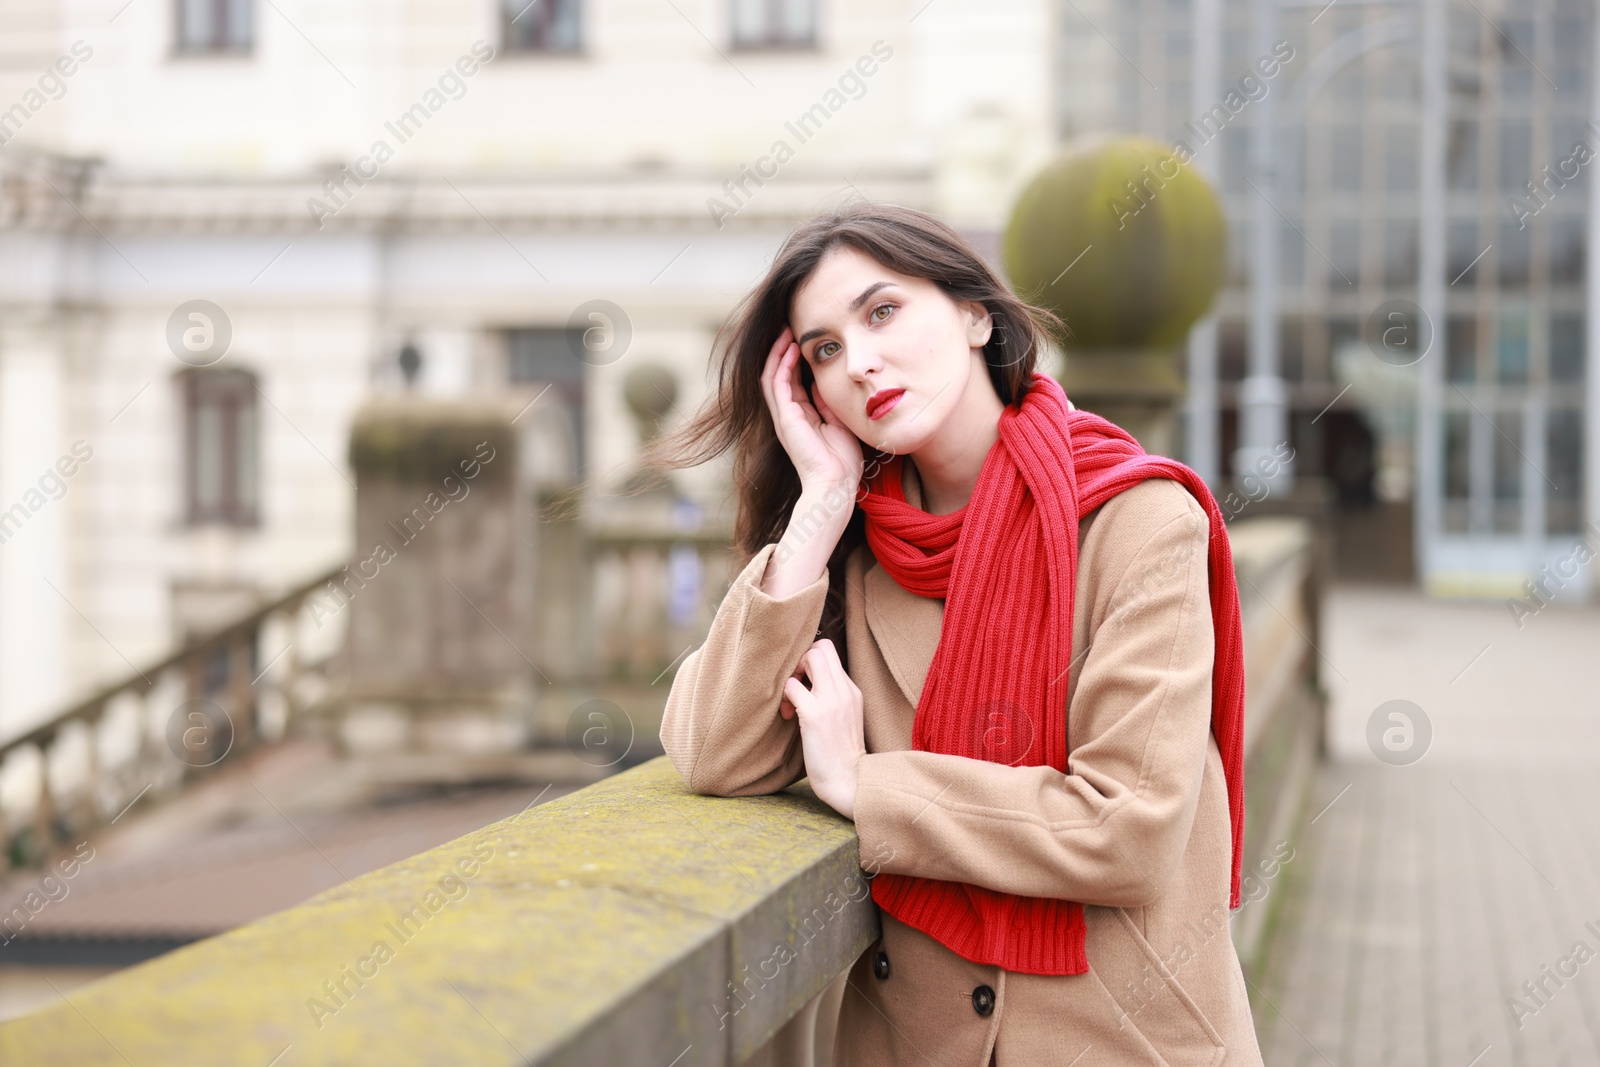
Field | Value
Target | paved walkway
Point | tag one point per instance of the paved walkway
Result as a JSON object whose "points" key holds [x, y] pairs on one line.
{"points": [[1424, 895]]}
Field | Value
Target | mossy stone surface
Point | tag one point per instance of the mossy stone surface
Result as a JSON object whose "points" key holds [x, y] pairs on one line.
{"points": [[602, 926], [422, 441], [1123, 240]]}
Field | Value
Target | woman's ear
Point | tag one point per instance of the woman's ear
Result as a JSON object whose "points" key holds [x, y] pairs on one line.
{"points": [[980, 324]]}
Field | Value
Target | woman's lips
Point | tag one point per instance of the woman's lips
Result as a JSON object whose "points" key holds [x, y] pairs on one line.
{"points": [[879, 403]]}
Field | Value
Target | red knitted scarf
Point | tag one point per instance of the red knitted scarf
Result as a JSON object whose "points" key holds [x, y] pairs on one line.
{"points": [[1006, 565]]}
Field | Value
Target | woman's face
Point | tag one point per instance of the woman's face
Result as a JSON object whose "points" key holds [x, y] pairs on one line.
{"points": [[867, 331]]}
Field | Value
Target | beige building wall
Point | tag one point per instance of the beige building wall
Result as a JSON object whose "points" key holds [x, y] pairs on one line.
{"points": [[533, 186]]}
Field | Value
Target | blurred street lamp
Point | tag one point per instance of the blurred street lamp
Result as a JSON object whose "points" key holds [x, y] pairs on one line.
{"points": [[410, 363]]}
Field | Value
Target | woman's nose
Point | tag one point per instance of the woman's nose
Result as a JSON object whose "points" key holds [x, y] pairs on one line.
{"points": [[862, 358]]}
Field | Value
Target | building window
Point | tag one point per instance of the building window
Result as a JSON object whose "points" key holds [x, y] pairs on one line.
{"points": [[1344, 342], [551, 359], [1291, 255], [221, 447], [1400, 159], [1178, 103], [1238, 252], [1457, 457], [1514, 251], [1516, 45], [540, 25], [1566, 250], [1461, 348], [1564, 447], [1233, 349], [1292, 348], [1344, 170], [215, 26], [1348, 85], [1462, 252], [548, 354], [1511, 349], [1400, 252], [1516, 154], [1461, 155], [1344, 254], [774, 23], [1507, 470], [1235, 158], [1566, 349]]}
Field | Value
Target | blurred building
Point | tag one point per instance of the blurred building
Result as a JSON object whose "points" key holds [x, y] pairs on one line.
{"points": [[227, 224], [1506, 502]]}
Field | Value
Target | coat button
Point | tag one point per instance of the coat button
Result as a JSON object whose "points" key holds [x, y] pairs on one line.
{"points": [[983, 1000], [880, 965]]}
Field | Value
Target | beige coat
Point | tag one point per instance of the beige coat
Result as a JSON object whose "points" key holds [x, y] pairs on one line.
{"points": [[1137, 830]]}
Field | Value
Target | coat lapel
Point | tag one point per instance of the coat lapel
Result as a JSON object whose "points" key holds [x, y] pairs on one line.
{"points": [[905, 626]]}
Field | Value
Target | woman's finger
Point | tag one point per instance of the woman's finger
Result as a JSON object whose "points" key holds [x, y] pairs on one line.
{"points": [[827, 658], [832, 680], [791, 379], [786, 706], [769, 373], [824, 671], [823, 410], [799, 696], [773, 369]]}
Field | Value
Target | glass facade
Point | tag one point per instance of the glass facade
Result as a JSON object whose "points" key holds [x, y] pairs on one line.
{"points": [[1517, 153]]}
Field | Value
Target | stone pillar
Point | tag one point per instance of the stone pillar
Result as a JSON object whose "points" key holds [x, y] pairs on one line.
{"points": [[439, 589], [1141, 390]]}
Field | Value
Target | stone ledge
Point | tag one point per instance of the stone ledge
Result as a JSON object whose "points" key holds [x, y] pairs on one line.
{"points": [[602, 927]]}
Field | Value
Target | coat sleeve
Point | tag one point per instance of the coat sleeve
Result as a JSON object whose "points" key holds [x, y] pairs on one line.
{"points": [[721, 726], [1112, 829]]}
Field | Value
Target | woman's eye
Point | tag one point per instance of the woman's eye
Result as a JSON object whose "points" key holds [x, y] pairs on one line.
{"points": [[823, 351]]}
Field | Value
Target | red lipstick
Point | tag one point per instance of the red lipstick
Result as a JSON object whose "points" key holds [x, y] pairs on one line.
{"points": [[879, 403]]}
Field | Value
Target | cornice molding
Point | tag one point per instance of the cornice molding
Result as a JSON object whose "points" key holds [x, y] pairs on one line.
{"points": [[57, 194]]}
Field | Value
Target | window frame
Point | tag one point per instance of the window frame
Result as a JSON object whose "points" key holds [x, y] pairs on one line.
{"points": [[505, 18], [231, 391], [220, 45], [772, 42]]}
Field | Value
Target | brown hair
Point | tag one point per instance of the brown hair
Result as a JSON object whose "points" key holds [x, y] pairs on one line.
{"points": [[905, 240]]}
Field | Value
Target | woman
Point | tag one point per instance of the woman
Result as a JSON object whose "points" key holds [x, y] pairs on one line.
{"points": [[995, 635]]}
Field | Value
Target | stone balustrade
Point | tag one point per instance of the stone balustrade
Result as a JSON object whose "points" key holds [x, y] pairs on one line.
{"points": [[166, 724]]}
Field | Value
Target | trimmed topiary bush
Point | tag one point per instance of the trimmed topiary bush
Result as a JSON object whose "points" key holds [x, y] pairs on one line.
{"points": [[1149, 230], [419, 440]]}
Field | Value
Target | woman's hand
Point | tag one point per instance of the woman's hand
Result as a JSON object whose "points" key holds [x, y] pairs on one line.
{"points": [[824, 451], [832, 733]]}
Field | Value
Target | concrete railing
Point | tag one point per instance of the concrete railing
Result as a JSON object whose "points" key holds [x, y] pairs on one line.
{"points": [[1281, 574], [631, 922]]}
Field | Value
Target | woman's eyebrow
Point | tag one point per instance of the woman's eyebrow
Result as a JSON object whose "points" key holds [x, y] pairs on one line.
{"points": [[855, 305]]}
